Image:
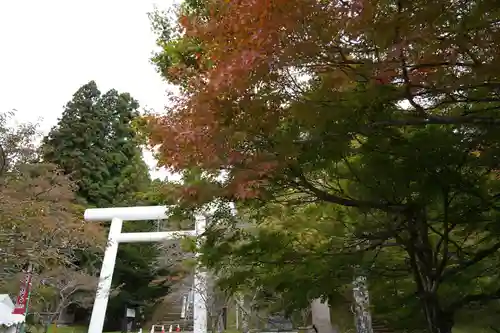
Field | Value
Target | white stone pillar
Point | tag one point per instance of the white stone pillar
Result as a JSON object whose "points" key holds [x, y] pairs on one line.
{"points": [[104, 287], [320, 313], [362, 313]]}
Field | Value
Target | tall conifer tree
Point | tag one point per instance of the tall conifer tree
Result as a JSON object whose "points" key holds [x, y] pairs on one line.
{"points": [[95, 142]]}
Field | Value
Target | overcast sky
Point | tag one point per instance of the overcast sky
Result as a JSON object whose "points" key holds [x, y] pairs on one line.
{"points": [[49, 48]]}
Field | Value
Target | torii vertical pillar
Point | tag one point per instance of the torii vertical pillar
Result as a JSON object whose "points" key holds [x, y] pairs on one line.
{"points": [[200, 288], [115, 237]]}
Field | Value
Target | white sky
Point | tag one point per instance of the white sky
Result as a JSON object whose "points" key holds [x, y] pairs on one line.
{"points": [[49, 48]]}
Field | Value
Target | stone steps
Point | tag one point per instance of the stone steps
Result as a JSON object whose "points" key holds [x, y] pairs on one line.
{"points": [[184, 326], [170, 314], [380, 327]]}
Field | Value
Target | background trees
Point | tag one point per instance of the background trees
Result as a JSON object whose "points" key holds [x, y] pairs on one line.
{"points": [[40, 225], [56, 290], [39, 221], [96, 144]]}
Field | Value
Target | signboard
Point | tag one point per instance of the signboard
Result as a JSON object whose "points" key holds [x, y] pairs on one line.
{"points": [[22, 298], [130, 313]]}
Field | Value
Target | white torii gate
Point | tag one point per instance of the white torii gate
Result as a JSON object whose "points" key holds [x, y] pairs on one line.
{"points": [[117, 216]]}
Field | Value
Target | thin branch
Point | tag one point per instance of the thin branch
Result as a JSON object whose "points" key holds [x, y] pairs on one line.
{"points": [[440, 120], [480, 255], [347, 202], [482, 298]]}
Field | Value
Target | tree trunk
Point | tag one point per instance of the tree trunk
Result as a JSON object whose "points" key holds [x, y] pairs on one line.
{"points": [[424, 266], [438, 321], [54, 323], [245, 322], [243, 316], [57, 317]]}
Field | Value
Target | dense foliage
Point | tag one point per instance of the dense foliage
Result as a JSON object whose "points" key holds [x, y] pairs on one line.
{"points": [[97, 145], [381, 115], [40, 225], [39, 222]]}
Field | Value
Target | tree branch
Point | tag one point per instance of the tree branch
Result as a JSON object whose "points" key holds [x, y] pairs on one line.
{"points": [[347, 202], [480, 255], [440, 120], [485, 297]]}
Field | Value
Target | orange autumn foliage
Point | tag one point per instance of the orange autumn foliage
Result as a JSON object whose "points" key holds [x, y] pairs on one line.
{"points": [[40, 223], [240, 90]]}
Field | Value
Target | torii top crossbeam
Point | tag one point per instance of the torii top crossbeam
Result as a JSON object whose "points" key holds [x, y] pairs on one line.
{"points": [[126, 213]]}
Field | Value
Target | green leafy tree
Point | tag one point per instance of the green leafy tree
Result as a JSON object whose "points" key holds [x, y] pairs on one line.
{"points": [[97, 145], [456, 249], [361, 105], [39, 223]]}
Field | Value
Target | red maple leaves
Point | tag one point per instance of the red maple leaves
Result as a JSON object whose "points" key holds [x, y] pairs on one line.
{"points": [[241, 88]]}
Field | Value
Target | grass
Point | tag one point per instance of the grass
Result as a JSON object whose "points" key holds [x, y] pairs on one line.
{"points": [[471, 330], [67, 329], [83, 329], [72, 329]]}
